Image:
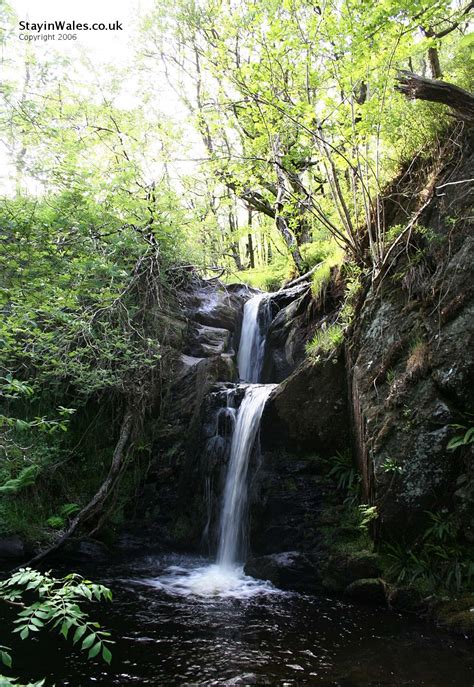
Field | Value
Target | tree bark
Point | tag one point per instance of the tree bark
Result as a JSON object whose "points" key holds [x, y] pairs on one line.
{"points": [[250, 248], [435, 64], [418, 87], [280, 218]]}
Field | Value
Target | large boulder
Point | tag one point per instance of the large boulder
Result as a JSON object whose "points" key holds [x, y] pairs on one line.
{"points": [[287, 334], [12, 547], [309, 410], [206, 341], [370, 590], [287, 570], [217, 305]]}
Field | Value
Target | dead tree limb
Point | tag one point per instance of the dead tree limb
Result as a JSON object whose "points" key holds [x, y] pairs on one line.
{"points": [[303, 277], [418, 87], [97, 501]]}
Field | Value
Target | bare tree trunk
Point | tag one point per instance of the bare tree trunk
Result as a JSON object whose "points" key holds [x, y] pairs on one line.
{"points": [[280, 219], [250, 250], [435, 65], [234, 250], [418, 87], [234, 246]]}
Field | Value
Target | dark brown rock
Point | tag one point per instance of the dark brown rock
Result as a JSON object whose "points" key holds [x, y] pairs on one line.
{"points": [[309, 410], [370, 590], [12, 548], [286, 570]]}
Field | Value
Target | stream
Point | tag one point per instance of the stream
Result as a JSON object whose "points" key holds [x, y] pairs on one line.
{"points": [[168, 634]]}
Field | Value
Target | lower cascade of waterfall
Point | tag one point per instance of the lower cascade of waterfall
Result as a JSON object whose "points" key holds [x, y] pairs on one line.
{"points": [[232, 534], [225, 577]]}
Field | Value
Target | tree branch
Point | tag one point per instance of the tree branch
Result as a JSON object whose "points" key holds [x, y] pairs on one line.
{"points": [[418, 87]]}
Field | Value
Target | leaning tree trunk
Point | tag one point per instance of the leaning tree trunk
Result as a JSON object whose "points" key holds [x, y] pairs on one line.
{"points": [[281, 220], [421, 88], [97, 501]]}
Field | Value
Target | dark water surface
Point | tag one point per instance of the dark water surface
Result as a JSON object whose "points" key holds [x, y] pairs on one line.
{"points": [[168, 632]]}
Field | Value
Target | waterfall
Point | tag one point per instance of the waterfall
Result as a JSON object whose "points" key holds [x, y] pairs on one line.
{"points": [[252, 339], [235, 492], [226, 577]]}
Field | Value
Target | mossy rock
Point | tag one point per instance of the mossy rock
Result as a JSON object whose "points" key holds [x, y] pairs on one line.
{"points": [[371, 590], [345, 566], [406, 599], [461, 622], [457, 615], [182, 530]]}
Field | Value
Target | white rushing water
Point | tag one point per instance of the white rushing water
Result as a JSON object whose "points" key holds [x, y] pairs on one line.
{"points": [[252, 341], [189, 578], [235, 492], [226, 577]]}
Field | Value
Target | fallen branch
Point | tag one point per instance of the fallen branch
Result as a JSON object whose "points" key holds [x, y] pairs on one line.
{"points": [[302, 278], [418, 87]]}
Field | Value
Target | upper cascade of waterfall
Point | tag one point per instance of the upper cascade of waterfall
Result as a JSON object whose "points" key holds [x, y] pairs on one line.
{"points": [[235, 493], [257, 318]]}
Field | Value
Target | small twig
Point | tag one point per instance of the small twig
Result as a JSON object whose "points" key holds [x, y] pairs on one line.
{"points": [[453, 183]]}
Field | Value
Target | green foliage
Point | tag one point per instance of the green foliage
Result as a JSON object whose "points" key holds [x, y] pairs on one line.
{"points": [[26, 478], [391, 465], [268, 278], [57, 608], [328, 338], [437, 562], [327, 254], [320, 136], [391, 376], [59, 520], [346, 477], [464, 438], [320, 280], [5, 656], [5, 681], [79, 330], [325, 340], [81, 294], [343, 471], [366, 515]]}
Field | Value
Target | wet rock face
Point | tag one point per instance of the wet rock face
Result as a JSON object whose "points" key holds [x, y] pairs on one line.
{"points": [[292, 323], [214, 309], [208, 341], [286, 495], [287, 570], [183, 493], [411, 362], [309, 410]]}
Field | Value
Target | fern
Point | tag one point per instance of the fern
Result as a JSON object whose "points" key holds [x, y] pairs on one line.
{"points": [[26, 478]]}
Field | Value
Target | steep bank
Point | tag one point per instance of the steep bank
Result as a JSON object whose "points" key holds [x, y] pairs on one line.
{"points": [[397, 394]]}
